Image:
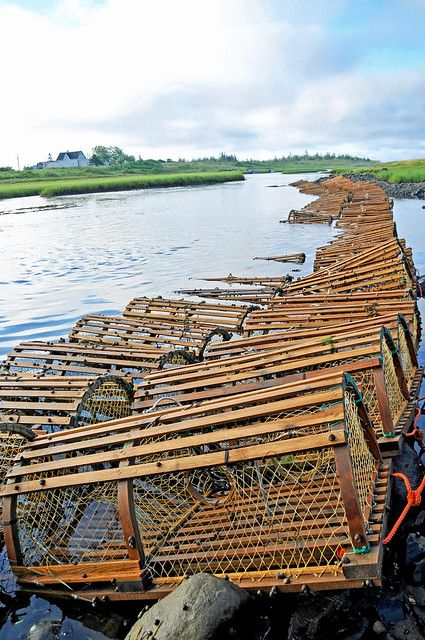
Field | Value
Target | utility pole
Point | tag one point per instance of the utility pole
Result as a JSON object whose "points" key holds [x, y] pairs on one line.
{"points": [[19, 167]]}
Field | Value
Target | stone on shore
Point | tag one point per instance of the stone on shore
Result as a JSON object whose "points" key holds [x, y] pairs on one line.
{"points": [[193, 611]]}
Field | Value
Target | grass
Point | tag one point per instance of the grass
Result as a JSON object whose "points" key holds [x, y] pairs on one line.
{"points": [[394, 172], [78, 185]]}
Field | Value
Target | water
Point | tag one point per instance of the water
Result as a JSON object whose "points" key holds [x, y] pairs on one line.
{"points": [[410, 218], [93, 253]]}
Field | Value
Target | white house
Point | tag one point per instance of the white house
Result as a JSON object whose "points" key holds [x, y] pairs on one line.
{"points": [[65, 159]]}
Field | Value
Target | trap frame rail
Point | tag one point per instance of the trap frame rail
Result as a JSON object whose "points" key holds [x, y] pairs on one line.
{"points": [[155, 505]]}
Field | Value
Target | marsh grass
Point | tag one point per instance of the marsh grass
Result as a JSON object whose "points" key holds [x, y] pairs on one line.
{"points": [[395, 172], [49, 188]]}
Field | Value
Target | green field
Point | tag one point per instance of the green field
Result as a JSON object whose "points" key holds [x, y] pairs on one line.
{"points": [[77, 185], [394, 172]]}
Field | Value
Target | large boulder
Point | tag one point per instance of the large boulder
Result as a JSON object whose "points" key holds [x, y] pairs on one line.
{"points": [[193, 611]]}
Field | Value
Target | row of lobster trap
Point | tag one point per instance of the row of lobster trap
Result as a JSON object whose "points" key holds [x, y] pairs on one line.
{"points": [[256, 484], [152, 446]]}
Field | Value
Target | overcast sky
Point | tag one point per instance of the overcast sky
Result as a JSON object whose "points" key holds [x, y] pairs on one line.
{"points": [[188, 78]]}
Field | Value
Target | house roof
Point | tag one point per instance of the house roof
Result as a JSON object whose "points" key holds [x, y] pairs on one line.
{"points": [[71, 154]]}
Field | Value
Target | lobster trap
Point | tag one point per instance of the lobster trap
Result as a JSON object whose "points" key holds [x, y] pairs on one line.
{"points": [[133, 332], [54, 403], [73, 359], [262, 498], [371, 357]]}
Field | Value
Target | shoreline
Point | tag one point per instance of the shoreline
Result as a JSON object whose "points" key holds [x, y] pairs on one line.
{"points": [[413, 190], [51, 188]]}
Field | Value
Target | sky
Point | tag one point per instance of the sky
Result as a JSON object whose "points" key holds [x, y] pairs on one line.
{"points": [[193, 78]]}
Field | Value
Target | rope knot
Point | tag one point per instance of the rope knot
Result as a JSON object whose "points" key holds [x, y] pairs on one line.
{"points": [[414, 499]]}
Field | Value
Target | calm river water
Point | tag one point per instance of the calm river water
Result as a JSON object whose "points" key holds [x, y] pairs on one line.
{"points": [[93, 253]]}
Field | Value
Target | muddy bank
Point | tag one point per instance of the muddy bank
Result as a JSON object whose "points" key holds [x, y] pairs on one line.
{"points": [[401, 190]]}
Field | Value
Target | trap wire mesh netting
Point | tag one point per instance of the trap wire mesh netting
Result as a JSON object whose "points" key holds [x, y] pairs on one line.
{"points": [[395, 396], [365, 380], [108, 400], [284, 513], [405, 357], [72, 525], [363, 463]]}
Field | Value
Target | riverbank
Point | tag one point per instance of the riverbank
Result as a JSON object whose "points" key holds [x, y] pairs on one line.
{"points": [[394, 190], [71, 186]]}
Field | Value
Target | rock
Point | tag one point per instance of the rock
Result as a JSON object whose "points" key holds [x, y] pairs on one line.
{"points": [[417, 593], [407, 629], [109, 625], [45, 630], [313, 619], [378, 628], [193, 611], [391, 611], [415, 549], [418, 575], [408, 463], [420, 615], [420, 522]]}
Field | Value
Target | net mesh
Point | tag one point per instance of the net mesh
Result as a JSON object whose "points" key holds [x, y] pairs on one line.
{"points": [[404, 353], [395, 396], [364, 379], [69, 526], [107, 401], [11, 445], [362, 461], [283, 514]]}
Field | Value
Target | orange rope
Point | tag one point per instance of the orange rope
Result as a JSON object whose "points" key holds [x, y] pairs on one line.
{"points": [[414, 499]]}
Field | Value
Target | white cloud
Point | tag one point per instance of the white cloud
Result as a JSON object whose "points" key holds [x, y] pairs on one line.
{"points": [[186, 78]]}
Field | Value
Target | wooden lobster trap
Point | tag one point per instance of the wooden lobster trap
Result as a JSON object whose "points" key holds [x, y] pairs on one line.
{"points": [[317, 311], [74, 359], [180, 313], [134, 332], [129, 508], [386, 380], [318, 335], [54, 403]]}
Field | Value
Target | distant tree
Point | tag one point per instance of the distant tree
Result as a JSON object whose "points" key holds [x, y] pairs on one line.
{"points": [[7, 169], [109, 155]]}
